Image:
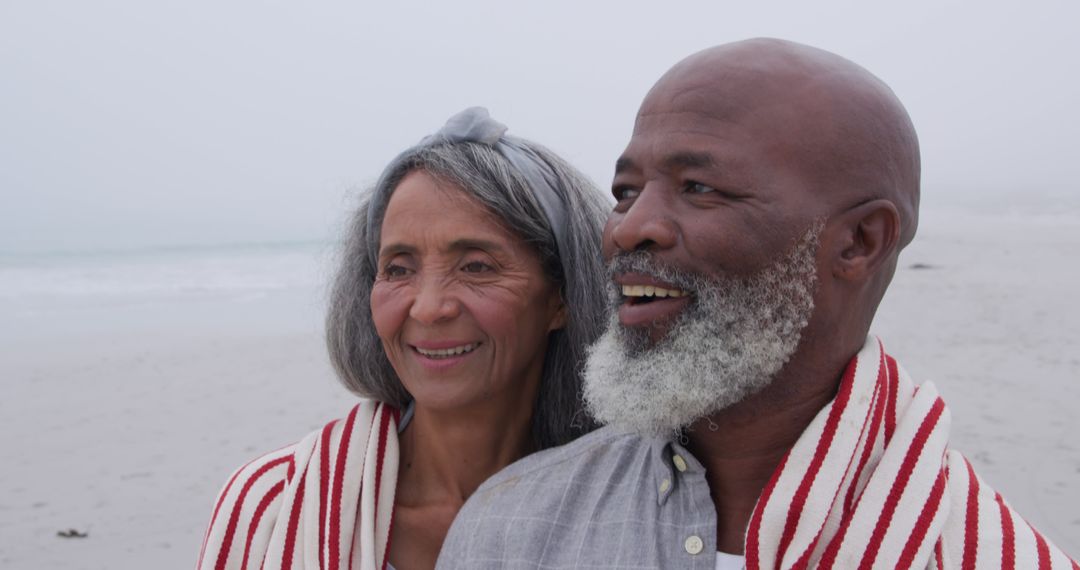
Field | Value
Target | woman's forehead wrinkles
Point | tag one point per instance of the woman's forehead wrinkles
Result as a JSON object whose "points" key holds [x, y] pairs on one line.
{"points": [[482, 240], [466, 244]]}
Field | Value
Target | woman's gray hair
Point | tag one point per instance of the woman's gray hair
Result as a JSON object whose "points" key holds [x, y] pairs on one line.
{"points": [[571, 259]]}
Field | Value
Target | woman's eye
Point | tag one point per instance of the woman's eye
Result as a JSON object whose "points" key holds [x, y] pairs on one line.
{"points": [[394, 270], [476, 267], [698, 188]]}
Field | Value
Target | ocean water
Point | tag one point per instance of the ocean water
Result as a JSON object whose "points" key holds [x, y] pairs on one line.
{"points": [[156, 272], [237, 287]]}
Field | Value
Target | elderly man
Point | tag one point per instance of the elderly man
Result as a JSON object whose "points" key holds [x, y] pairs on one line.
{"points": [[761, 204]]}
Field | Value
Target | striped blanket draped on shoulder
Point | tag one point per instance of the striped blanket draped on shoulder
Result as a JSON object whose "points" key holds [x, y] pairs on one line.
{"points": [[326, 502], [872, 484]]}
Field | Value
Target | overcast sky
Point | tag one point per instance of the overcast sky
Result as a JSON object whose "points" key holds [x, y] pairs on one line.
{"points": [[138, 124]]}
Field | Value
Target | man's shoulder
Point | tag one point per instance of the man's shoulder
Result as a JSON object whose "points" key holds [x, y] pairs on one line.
{"points": [[565, 507], [598, 447], [605, 462]]}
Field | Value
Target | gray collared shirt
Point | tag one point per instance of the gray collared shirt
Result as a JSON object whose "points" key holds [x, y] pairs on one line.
{"points": [[607, 500]]}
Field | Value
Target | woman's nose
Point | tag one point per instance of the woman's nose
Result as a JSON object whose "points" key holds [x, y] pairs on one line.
{"points": [[648, 224], [434, 302]]}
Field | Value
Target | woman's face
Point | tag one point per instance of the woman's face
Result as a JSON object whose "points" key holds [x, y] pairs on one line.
{"points": [[461, 304]]}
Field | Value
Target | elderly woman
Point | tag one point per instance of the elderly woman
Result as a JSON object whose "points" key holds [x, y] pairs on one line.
{"points": [[470, 286]]}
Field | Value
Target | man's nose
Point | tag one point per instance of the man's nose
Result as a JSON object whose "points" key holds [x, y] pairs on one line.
{"points": [[648, 224], [434, 302]]}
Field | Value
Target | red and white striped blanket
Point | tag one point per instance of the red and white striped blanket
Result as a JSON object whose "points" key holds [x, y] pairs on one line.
{"points": [[872, 484], [326, 502]]}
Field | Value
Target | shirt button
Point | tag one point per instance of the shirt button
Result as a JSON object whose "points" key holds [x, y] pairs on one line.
{"points": [[665, 485], [694, 544], [679, 462]]}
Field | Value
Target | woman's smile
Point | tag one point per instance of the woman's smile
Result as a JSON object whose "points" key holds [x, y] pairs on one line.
{"points": [[443, 356]]}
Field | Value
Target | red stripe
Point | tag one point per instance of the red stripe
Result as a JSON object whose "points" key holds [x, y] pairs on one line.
{"points": [[294, 523], [384, 427], [386, 559], [804, 560], [1008, 537], [971, 521], [894, 389], [798, 502], [336, 490], [938, 556], [753, 532], [906, 468], [234, 517], [224, 493], [1042, 547], [324, 483], [217, 507], [828, 558], [871, 428], [881, 393], [263, 505], [886, 392], [922, 525], [389, 536], [359, 503]]}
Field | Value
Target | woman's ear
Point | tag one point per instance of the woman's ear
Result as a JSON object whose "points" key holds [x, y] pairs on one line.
{"points": [[558, 318], [867, 236]]}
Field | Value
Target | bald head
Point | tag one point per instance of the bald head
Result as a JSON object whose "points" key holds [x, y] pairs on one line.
{"points": [[742, 151], [839, 126]]}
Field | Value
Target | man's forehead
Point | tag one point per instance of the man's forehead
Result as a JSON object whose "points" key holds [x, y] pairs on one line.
{"points": [[693, 103], [679, 141], [724, 88], [671, 160]]}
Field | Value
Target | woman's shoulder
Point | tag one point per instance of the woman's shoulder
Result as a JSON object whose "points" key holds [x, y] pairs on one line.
{"points": [[254, 493], [251, 488], [273, 465], [281, 463]]}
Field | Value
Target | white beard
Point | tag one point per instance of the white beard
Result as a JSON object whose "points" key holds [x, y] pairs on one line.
{"points": [[729, 343]]}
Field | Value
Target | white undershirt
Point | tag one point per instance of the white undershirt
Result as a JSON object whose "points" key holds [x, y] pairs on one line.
{"points": [[725, 561]]}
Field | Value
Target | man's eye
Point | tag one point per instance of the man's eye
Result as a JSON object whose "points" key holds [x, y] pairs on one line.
{"points": [[476, 267], [698, 188], [625, 193]]}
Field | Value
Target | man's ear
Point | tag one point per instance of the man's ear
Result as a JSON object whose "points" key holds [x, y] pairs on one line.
{"points": [[866, 237]]}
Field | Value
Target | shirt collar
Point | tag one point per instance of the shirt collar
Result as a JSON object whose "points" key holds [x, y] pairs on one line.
{"points": [[667, 456]]}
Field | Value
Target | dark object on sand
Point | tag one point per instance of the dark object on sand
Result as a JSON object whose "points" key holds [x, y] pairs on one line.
{"points": [[71, 533], [922, 266]]}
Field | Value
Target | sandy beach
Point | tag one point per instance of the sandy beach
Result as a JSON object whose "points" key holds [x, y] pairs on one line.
{"points": [[137, 383]]}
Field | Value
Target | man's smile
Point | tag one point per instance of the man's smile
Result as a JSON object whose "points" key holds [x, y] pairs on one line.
{"points": [[647, 300], [647, 293]]}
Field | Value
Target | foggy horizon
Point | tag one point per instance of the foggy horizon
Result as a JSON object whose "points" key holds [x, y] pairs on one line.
{"points": [[131, 126]]}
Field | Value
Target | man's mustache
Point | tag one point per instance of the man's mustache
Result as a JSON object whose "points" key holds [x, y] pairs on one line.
{"points": [[645, 263]]}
